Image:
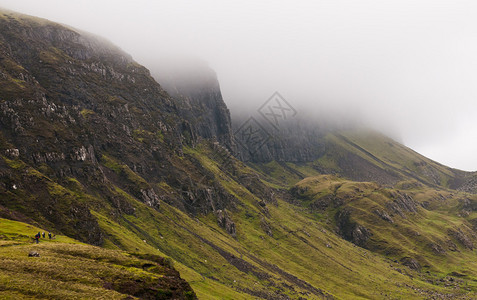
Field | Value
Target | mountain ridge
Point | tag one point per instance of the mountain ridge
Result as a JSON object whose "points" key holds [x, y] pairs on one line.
{"points": [[94, 148]]}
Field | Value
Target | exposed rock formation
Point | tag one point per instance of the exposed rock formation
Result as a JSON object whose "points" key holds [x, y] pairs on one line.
{"points": [[411, 263], [224, 221], [83, 113], [462, 238], [350, 230], [196, 89], [402, 204]]}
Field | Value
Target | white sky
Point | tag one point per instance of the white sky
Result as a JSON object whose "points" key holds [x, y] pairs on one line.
{"points": [[406, 66]]}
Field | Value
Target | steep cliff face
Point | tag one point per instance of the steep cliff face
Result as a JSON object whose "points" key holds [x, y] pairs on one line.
{"points": [[353, 152], [196, 90], [91, 146], [78, 109], [295, 141]]}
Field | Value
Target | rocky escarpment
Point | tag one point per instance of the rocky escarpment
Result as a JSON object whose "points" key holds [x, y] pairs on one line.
{"points": [[84, 115], [196, 90], [351, 151], [294, 141], [304, 142], [468, 183], [351, 230]]}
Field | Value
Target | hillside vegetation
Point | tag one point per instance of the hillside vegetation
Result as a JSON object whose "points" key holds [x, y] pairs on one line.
{"points": [[93, 149], [63, 268], [323, 237]]}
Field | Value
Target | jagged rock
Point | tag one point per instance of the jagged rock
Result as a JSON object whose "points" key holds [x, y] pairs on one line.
{"points": [[350, 230], [122, 205], [437, 249], [384, 215], [12, 153], [47, 157], [360, 235], [199, 199], [224, 221], [253, 183], [150, 198], [402, 204], [196, 90], [469, 184], [324, 202], [468, 206], [33, 254], [462, 238], [411, 263], [266, 227]]}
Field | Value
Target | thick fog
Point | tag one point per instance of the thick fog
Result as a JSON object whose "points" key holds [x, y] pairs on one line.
{"points": [[408, 67]]}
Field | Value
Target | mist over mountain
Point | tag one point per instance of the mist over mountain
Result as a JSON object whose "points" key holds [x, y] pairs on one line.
{"points": [[401, 66], [177, 197]]}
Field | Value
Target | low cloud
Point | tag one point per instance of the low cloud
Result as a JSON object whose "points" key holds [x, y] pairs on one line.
{"points": [[401, 66]]}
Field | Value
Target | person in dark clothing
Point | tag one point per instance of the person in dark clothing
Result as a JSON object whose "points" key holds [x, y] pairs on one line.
{"points": [[43, 234], [37, 237], [49, 235]]}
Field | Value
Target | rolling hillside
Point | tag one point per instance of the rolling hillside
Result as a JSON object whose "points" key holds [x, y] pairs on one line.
{"points": [[93, 149], [65, 268]]}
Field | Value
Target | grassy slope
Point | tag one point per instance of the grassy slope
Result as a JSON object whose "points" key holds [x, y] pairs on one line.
{"points": [[303, 257], [437, 222], [67, 269], [280, 250], [412, 234], [377, 150], [401, 157], [303, 244]]}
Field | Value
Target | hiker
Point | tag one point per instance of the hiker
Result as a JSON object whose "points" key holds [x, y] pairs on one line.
{"points": [[37, 237], [43, 234], [49, 235]]}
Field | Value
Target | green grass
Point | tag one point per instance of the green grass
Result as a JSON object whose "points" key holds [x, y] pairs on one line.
{"points": [[68, 269], [133, 179], [14, 163], [363, 151], [410, 235], [86, 113], [300, 242], [399, 156], [304, 254]]}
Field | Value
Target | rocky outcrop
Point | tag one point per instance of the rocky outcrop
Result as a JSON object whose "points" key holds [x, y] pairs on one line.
{"points": [[437, 249], [197, 92], [468, 206], [33, 254], [266, 227], [402, 204], [462, 238], [149, 197], [467, 183], [384, 215], [12, 153], [224, 220], [294, 141], [253, 183], [412, 263], [80, 111], [350, 230]]}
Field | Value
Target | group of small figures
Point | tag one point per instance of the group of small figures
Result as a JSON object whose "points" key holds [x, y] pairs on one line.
{"points": [[39, 235]]}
